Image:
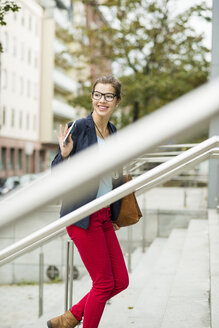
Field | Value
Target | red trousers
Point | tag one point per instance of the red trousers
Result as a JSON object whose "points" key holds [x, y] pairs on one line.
{"points": [[102, 256]]}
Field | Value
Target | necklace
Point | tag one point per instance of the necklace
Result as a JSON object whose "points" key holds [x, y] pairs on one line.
{"points": [[115, 174], [98, 130]]}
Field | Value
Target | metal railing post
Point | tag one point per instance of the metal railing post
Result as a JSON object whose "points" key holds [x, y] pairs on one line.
{"points": [[41, 267], [185, 198], [144, 225], [71, 276], [130, 249], [66, 275], [144, 233]]}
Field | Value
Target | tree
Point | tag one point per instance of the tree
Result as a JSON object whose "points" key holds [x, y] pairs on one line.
{"points": [[159, 55], [5, 7]]}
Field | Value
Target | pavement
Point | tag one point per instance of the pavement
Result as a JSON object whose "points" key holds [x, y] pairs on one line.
{"points": [[19, 304]]}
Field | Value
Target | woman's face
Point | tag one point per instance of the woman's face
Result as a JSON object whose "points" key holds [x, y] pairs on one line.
{"points": [[105, 105]]}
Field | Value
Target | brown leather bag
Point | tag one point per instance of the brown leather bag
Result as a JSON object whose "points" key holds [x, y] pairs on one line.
{"points": [[130, 212]]}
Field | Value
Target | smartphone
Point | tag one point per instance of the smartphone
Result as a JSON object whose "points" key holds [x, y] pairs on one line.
{"points": [[69, 131]]}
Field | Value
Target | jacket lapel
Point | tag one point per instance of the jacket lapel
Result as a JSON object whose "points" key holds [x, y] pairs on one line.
{"points": [[91, 132], [91, 129]]}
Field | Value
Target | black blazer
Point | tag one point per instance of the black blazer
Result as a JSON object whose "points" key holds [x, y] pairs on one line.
{"points": [[84, 135]]}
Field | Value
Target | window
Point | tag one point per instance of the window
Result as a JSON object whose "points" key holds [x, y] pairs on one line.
{"points": [[4, 115], [36, 61], [30, 23], [27, 121], [35, 90], [4, 79], [41, 160], [13, 82], [28, 88], [26, 163], [21, 86], [36, 28], [12, 118], [22, 51], [14, 46], [11, 160], [34, 123], [3, 158], [23, 18], [20, 120], [29, 56], [5, 41], [19, 159]]}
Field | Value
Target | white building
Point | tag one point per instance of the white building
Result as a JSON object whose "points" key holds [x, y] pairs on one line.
{"points": [[20, 90], [36, 81]]}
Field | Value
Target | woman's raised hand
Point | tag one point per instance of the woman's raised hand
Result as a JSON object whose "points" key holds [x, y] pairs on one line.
{"points": [[65, 149]]}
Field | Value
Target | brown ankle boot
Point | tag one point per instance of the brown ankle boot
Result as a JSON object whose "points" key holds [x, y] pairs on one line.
{"points": [[66, 320]]}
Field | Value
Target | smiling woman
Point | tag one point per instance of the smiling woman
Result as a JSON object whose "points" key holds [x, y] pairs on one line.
{"points": [[106, 95], [94, 236]]}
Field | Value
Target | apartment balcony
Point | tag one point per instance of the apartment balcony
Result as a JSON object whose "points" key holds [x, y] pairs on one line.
{"points": [[64, 110], [64, 83]]}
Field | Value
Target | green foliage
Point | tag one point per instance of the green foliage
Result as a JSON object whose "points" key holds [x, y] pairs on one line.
{"points": [[5, 7], [83, 100], [159, 54]]}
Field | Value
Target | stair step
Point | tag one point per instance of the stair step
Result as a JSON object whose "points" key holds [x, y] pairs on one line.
{"points": [[121, 305], [214, 264], [136, 258], [188, 304], [147, 261], [150, 306]]}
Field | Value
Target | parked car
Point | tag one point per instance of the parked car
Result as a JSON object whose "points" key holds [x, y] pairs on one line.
{"points": [[10, 184]]}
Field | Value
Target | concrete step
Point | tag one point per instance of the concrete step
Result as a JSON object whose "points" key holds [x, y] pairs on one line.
{"points": [[144, 268], [136, 258], [121, 305], [214, 265], [150, 306], [188, 304]]}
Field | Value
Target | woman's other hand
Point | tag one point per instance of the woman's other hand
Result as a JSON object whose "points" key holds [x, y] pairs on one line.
{"points": [[65, 149], [116, 227]]}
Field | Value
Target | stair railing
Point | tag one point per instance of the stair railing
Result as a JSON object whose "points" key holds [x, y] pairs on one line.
{"points": [[79, 174], [146, 181]]}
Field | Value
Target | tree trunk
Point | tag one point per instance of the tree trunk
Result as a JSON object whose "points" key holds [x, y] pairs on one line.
{"points": [[135, 111]]}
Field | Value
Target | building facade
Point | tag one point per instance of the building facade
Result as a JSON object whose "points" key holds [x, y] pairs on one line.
{"points": [[20, 149], [62, 80], [39, 73]]}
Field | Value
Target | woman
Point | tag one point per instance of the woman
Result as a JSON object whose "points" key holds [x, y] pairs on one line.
{"points": [[95, 236]]}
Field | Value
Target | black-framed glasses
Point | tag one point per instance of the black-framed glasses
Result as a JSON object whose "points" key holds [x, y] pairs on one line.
{"points": [[107, 96]]}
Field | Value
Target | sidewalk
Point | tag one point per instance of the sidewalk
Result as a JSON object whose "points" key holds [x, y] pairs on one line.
{"points": [[19, 304]]}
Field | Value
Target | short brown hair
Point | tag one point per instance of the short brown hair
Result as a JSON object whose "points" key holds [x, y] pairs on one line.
{"points": [[109, 79]]}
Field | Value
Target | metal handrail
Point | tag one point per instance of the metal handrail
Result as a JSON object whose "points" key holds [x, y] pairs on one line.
{"points": [[182, 115], [144, 182], [175, 118]]}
